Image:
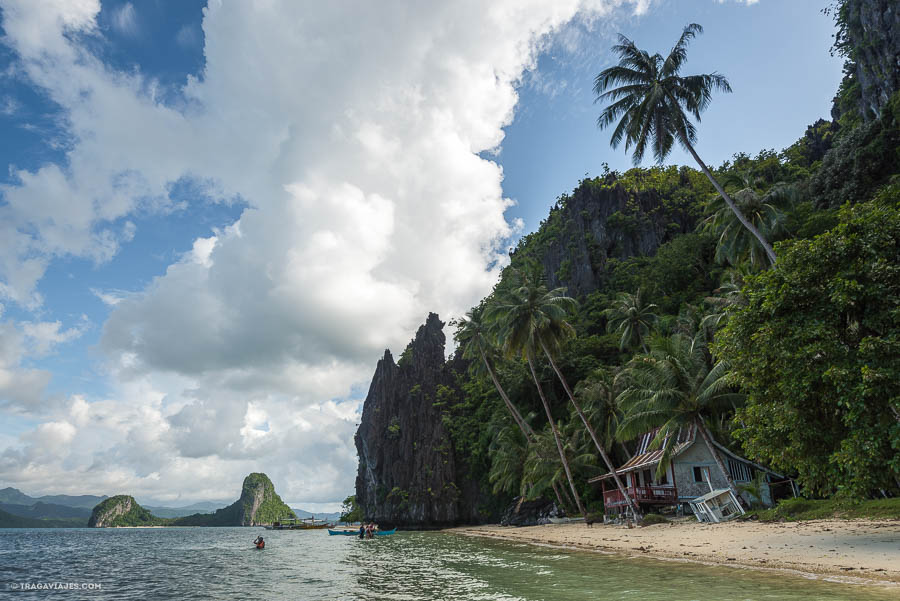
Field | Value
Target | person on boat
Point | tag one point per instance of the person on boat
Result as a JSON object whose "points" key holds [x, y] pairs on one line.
{"points": [[259, 542]]}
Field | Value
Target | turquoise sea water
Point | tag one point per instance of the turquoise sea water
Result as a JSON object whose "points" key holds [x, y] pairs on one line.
{"points": [[220, 563]]}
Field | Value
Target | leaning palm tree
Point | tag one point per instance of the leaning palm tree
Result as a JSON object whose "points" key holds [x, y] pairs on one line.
{"points": [[535, 319], [673, 387], [633, 317], [513, 323], [474, 340], [653, 105], [597, 395]]}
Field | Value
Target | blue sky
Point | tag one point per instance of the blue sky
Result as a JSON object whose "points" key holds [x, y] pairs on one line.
{"points": [[136, 137]]}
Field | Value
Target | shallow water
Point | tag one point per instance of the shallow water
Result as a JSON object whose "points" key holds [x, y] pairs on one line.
{"points": [[220, 563]]}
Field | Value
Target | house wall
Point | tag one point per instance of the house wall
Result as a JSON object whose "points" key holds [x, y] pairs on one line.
{"points": [[698, 455]]}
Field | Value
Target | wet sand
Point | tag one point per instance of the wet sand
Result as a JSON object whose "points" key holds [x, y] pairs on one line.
{"points": [[848, 550]]}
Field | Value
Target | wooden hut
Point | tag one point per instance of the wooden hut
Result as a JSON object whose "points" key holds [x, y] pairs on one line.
{"points": [[692, 473]]}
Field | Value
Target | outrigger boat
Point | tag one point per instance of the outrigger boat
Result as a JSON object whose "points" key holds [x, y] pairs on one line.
{"points": [[356, 532], [298, 524]]}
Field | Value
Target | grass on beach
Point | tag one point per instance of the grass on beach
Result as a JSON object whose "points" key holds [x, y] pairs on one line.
{"points": [[805, 509]]}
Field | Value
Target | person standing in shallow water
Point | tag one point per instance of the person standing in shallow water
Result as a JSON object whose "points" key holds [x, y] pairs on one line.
{"points": [[362, 531]]}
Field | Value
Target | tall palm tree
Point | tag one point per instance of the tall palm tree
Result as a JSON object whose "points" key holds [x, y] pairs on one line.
{"points": [[475, 340], [633, 316], [513, 322], [597, 395], [675, 386], [534, 319], [653, 105]]}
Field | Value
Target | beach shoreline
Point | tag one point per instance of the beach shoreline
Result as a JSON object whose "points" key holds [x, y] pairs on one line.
{"points": [[851, 551]]}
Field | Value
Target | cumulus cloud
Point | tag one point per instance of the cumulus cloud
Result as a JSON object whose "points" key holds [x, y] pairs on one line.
{"points": [[355, 133]]}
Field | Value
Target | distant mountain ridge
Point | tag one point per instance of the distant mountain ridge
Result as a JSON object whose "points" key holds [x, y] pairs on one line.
{"points": [[9, 520], [73, 511], [14, 496], [42, 510], [328, 517]]}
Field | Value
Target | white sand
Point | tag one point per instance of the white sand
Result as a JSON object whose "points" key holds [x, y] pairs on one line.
{"points": [[852, 550]]}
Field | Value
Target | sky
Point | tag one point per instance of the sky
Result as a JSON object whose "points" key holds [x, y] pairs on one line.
{"points": [[215, 216]]}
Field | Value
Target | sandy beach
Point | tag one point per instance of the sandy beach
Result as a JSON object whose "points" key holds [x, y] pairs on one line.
{"points": [[860, 551]]}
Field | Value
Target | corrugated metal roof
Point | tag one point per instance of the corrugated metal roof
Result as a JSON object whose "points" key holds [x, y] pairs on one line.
{"points": [[650, 458]]}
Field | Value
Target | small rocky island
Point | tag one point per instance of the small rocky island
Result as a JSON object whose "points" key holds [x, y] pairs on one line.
{"points": [[259, 504]]}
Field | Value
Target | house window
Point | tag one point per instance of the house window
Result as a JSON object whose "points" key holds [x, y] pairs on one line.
{"points": [[739, 471], [647, 478], [664, 479], [698, 474]]}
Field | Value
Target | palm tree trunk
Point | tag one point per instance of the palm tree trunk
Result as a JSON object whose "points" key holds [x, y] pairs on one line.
{"points": [[770, 253], [523, 425], [701, 427], [558, 496], [527, 432], [590, 429], [562, 455]]}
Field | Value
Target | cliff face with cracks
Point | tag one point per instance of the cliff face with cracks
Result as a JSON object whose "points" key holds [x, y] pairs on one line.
{"points": [[873, 32], [408, 473], [600, 221]]}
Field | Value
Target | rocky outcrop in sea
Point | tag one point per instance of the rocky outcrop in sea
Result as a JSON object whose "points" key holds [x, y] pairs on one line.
{"points": [[409, 474]]}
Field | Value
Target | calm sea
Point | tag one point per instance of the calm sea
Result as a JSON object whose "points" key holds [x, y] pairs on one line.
{"points": [[220, 563]]}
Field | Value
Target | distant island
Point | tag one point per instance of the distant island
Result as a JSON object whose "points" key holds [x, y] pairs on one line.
{"points": [[259, 504]]}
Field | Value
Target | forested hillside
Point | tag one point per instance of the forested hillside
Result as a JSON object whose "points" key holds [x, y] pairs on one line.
{"points": [[643, 301]]}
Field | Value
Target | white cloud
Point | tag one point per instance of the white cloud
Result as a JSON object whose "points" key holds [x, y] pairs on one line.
{"points": [[23, 388], [353, 131], [124, 19], [187, 36], [44, 335]]}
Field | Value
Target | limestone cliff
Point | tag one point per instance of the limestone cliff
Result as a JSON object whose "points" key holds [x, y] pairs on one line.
{"points": [[873, 35], [121, 510], [603, 220], [408, 472], [259, 504]]}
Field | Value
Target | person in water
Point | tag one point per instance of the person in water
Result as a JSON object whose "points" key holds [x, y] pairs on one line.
{"points": [[362, 531], [259, 542]]}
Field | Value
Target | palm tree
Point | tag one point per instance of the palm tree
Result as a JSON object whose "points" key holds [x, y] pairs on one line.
{"points": [[673, 387], [727, 295], [534, 318], [475, 341], [765, 211], [653, 105], [508, 315], [597, 395], [631, 315]]}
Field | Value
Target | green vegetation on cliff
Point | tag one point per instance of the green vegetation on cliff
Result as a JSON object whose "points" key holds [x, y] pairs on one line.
{"points": [[122, 510]]}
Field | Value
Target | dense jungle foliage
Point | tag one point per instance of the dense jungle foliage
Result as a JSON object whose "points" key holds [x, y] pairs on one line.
{"points": [[807, 351]]}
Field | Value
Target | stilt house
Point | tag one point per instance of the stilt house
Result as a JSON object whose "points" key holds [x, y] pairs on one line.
{"points": [[692, 473]]}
